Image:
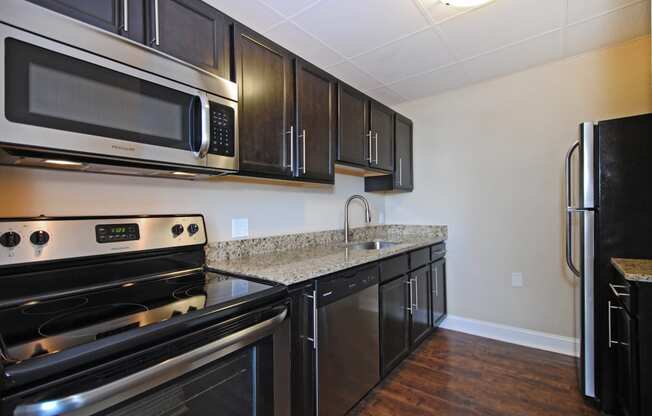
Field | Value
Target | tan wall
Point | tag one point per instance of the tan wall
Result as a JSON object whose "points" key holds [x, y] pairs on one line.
{"points": [[271, 209], [489, 164]]}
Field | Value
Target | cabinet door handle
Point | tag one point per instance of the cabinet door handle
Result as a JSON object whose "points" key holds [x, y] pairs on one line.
{"points": [[611, 339], [409, 308], [370, 158], [376, 148], [291, 133], [313, 297], [400, 171], [303, 141], [436, 281], [157, 40], [125, 15]]}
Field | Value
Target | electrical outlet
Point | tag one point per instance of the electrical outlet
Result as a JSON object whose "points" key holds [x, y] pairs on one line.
{"points": [[517, 279], [239, 228]]}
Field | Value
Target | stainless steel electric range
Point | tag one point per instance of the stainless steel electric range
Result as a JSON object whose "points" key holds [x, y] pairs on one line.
{"points": [[120, 316]]}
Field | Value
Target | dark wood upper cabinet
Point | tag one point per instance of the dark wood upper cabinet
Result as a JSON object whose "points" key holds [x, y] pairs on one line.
{"points": [[192, 31], [403, 150], [316, 100], [109, 15], [402, 178], [382, 130], [394, 323], [266, 105], [353, 119]]}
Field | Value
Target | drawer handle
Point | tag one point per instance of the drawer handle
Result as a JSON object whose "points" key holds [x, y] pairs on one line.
{"points": [[614, 288], [611, 340]]}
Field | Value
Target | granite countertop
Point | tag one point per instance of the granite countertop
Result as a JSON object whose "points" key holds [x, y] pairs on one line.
{"points": [[297, 258], [635, 270]]}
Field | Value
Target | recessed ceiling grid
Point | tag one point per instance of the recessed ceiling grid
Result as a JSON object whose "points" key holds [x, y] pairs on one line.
{"points": [[399, 50]]}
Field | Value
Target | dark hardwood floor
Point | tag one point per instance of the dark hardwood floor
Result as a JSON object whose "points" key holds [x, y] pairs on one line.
{"points": [[458, 374]]}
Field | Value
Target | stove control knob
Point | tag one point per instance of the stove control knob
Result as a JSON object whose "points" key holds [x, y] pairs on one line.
{"points": [[193, 228], [177, 229], [39, 238], [10, 239]]}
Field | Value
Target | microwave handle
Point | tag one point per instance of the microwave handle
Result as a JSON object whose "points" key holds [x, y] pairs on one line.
{"points": [[104, 397], [200, 118]]}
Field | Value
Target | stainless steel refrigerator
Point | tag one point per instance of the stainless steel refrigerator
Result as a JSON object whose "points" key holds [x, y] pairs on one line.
{"points": [[608, 177]]}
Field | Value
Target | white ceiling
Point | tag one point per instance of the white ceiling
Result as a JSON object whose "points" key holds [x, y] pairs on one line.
{"points": [[400, 50]]}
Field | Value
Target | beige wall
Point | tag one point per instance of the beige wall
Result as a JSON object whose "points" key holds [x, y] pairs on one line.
{"points": [[271, 209], [489, 164]]}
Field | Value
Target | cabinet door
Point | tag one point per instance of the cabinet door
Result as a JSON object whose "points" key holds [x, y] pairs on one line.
{"points": [[627, 375], [403, 151], [192, 31], [438, 288], [382, 128], [303, 352], [265, 81], [353, 121], [394, 323], [420, 325], [316, 122], [124, 17]]}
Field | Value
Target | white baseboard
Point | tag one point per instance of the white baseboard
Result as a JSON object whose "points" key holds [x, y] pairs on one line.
{"points": [[514, 335]]}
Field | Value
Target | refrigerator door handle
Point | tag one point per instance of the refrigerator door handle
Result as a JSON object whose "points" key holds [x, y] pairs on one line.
{"points": [[569, 209]]}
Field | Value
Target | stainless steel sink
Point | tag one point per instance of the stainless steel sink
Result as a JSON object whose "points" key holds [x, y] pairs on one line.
{"points": [[370, 245]]}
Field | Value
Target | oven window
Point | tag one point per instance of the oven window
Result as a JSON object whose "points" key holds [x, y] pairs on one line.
{"points": [[240, 384], [48, 89]]}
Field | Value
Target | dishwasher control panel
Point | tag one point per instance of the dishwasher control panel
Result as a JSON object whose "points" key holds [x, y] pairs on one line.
{"points": [[346, 283]]}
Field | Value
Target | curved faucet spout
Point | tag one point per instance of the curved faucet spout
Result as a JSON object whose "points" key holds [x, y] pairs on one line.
{"points": [[367, 214]]}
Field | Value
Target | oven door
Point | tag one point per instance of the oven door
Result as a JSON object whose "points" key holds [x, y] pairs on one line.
{"points": [[245, 373], [65, 99]]}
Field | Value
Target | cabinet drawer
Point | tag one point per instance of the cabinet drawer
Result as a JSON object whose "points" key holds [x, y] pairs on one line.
{"points": [[438, 251], [624, 292], [419, 258], [394, 267]]}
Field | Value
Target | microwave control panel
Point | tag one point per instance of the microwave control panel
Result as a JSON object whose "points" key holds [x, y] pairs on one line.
{"points": [[222, 125]]}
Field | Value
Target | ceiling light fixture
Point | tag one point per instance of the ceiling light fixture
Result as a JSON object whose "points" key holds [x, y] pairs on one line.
{"points": [[184, 174], [62, 162], [465, 3]]}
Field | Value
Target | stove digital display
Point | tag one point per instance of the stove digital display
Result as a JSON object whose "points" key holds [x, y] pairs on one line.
{"points": [[112, 233]]}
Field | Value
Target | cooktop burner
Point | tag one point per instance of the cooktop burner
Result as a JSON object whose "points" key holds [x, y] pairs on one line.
{"points": [[38, 328], [54, 306]]}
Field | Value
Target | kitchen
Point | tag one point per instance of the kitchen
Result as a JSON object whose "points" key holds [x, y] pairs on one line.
{"points": [[175, 135]]}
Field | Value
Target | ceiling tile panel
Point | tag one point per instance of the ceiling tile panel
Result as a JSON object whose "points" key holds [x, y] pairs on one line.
{"points": [[409, 56], [291, 37], [250, 12], [618, 26], [351, 74], [515, 58], [386, 96], [432, 83], [501, 23], [355, 26], [288, 7], [583, 9]]}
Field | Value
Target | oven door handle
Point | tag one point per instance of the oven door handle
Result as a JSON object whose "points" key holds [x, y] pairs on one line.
{"points": [[101, 398]]}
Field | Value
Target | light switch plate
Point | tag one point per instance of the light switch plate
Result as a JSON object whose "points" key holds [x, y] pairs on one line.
{"points": [[239, 228], [517, 279]]}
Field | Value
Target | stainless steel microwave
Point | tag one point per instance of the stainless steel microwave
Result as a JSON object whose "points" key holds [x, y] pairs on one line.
{"points": [[77, 97]]}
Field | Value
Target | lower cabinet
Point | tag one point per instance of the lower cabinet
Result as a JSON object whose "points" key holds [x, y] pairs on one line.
{"points": [[394, 323], [438, 291], [420, 311]]}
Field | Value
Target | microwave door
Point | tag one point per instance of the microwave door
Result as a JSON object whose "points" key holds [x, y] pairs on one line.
{"points": [[65, 99]]}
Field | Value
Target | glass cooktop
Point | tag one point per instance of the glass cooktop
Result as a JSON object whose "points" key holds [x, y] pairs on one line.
{"points": [[38, 328]]}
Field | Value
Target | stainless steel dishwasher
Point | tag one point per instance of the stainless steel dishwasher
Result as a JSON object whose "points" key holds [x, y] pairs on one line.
{"points": [[348, 342]]}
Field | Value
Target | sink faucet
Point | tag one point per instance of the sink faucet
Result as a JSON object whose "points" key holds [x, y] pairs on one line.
{"points": [[367, 214]]}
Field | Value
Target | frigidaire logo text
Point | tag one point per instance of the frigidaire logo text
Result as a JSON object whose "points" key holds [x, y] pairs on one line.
{"points": [[123, 148]]}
